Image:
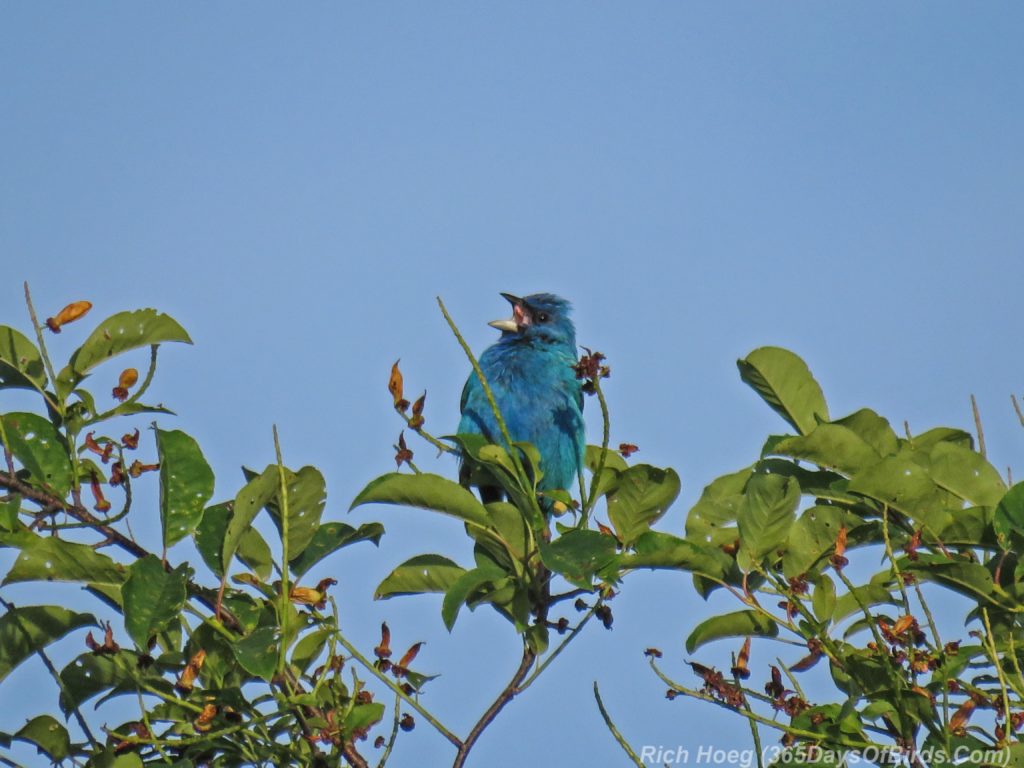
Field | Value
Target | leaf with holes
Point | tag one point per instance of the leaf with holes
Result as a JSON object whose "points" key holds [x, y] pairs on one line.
{"points": [[186, 484], [119, 333], [307, 496], [464, 586], [578, 554], [46, 558], [719, 504], [1009, 515], [209, 536], [91, 674], [423, 573], [250, 500], [153, 597], [642, 495], [966, 473], [21, 365], [766, 515], [41, 450], [257, 653], [902, 483], [48, 736], [832, 446], [26, 630]]}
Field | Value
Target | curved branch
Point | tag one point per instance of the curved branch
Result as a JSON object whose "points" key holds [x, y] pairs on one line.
{"points": [[507, 694]]}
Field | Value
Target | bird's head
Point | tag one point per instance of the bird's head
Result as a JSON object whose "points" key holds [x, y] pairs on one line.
{"points": [[541, 316]]}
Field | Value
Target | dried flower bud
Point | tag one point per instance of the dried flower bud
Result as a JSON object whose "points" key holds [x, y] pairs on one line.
{"points": [[69, 314], [127, 380]]}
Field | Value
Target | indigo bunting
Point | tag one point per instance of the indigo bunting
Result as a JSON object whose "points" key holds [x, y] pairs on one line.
{"points": [[531, 372]]}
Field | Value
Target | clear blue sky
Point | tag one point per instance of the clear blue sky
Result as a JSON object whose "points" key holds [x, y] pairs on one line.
{"points": [[296, 185]]}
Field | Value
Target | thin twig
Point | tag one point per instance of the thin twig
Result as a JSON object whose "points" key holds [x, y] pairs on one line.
{"points": [[991, 648], [605, 439], [58, 405], [776, 724], [353, 757], [112, 535], [369, 666], [394, 734], [615, 731], [561, 647], [9, 607], [285, 523], [977, 426], [513, 452], [1016, 407], [136, 395]]}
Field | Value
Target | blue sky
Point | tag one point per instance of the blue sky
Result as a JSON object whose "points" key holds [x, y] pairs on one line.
{"points": [[296, 187]]}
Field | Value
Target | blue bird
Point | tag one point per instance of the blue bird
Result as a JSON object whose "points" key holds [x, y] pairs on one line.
{"points": [[531, 372]]}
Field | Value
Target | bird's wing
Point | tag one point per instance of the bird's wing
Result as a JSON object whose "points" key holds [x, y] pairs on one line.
{"points": [[471, 382]]}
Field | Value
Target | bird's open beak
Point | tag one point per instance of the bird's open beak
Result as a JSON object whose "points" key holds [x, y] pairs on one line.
{"points": [[520, 316]]}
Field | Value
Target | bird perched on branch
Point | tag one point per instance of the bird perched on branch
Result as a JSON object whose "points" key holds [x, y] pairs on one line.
{"points": [[530, 370]]}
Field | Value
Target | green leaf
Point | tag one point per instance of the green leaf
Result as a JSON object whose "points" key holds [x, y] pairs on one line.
{"points": [[578, 554], [536, 637], [613, 465], [464, 586], [823, 602], [785, 382], [966, 473], [967, 578], [363, 716], [872, 429], [21, 365], [832, 446], [153, 597], [23, 631], [658, 550], [307, 496], [48, 736], [309, 648], [257, 653], [46, 558], [813, 537], [1009, 515], [423, 573], [250, 500], [643, 494], [870, 594], [736, 624], [91, 674], [426, 491], [186, 484], [41, 450], [254, 551], [507, 538], [766, 515], [902, 483], [9, 514], [329, 538], [120, 333], [928, 440], [210, 533], [718, 506]]}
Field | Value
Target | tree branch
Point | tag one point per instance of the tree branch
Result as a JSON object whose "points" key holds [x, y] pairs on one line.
{"points": [[10, 481], [507, 694]]}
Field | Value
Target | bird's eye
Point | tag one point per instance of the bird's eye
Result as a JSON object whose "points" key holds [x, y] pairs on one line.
{"points": [[542, 317]]}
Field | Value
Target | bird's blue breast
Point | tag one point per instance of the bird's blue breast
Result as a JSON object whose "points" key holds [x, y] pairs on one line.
{"points": [[539, 397]]}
